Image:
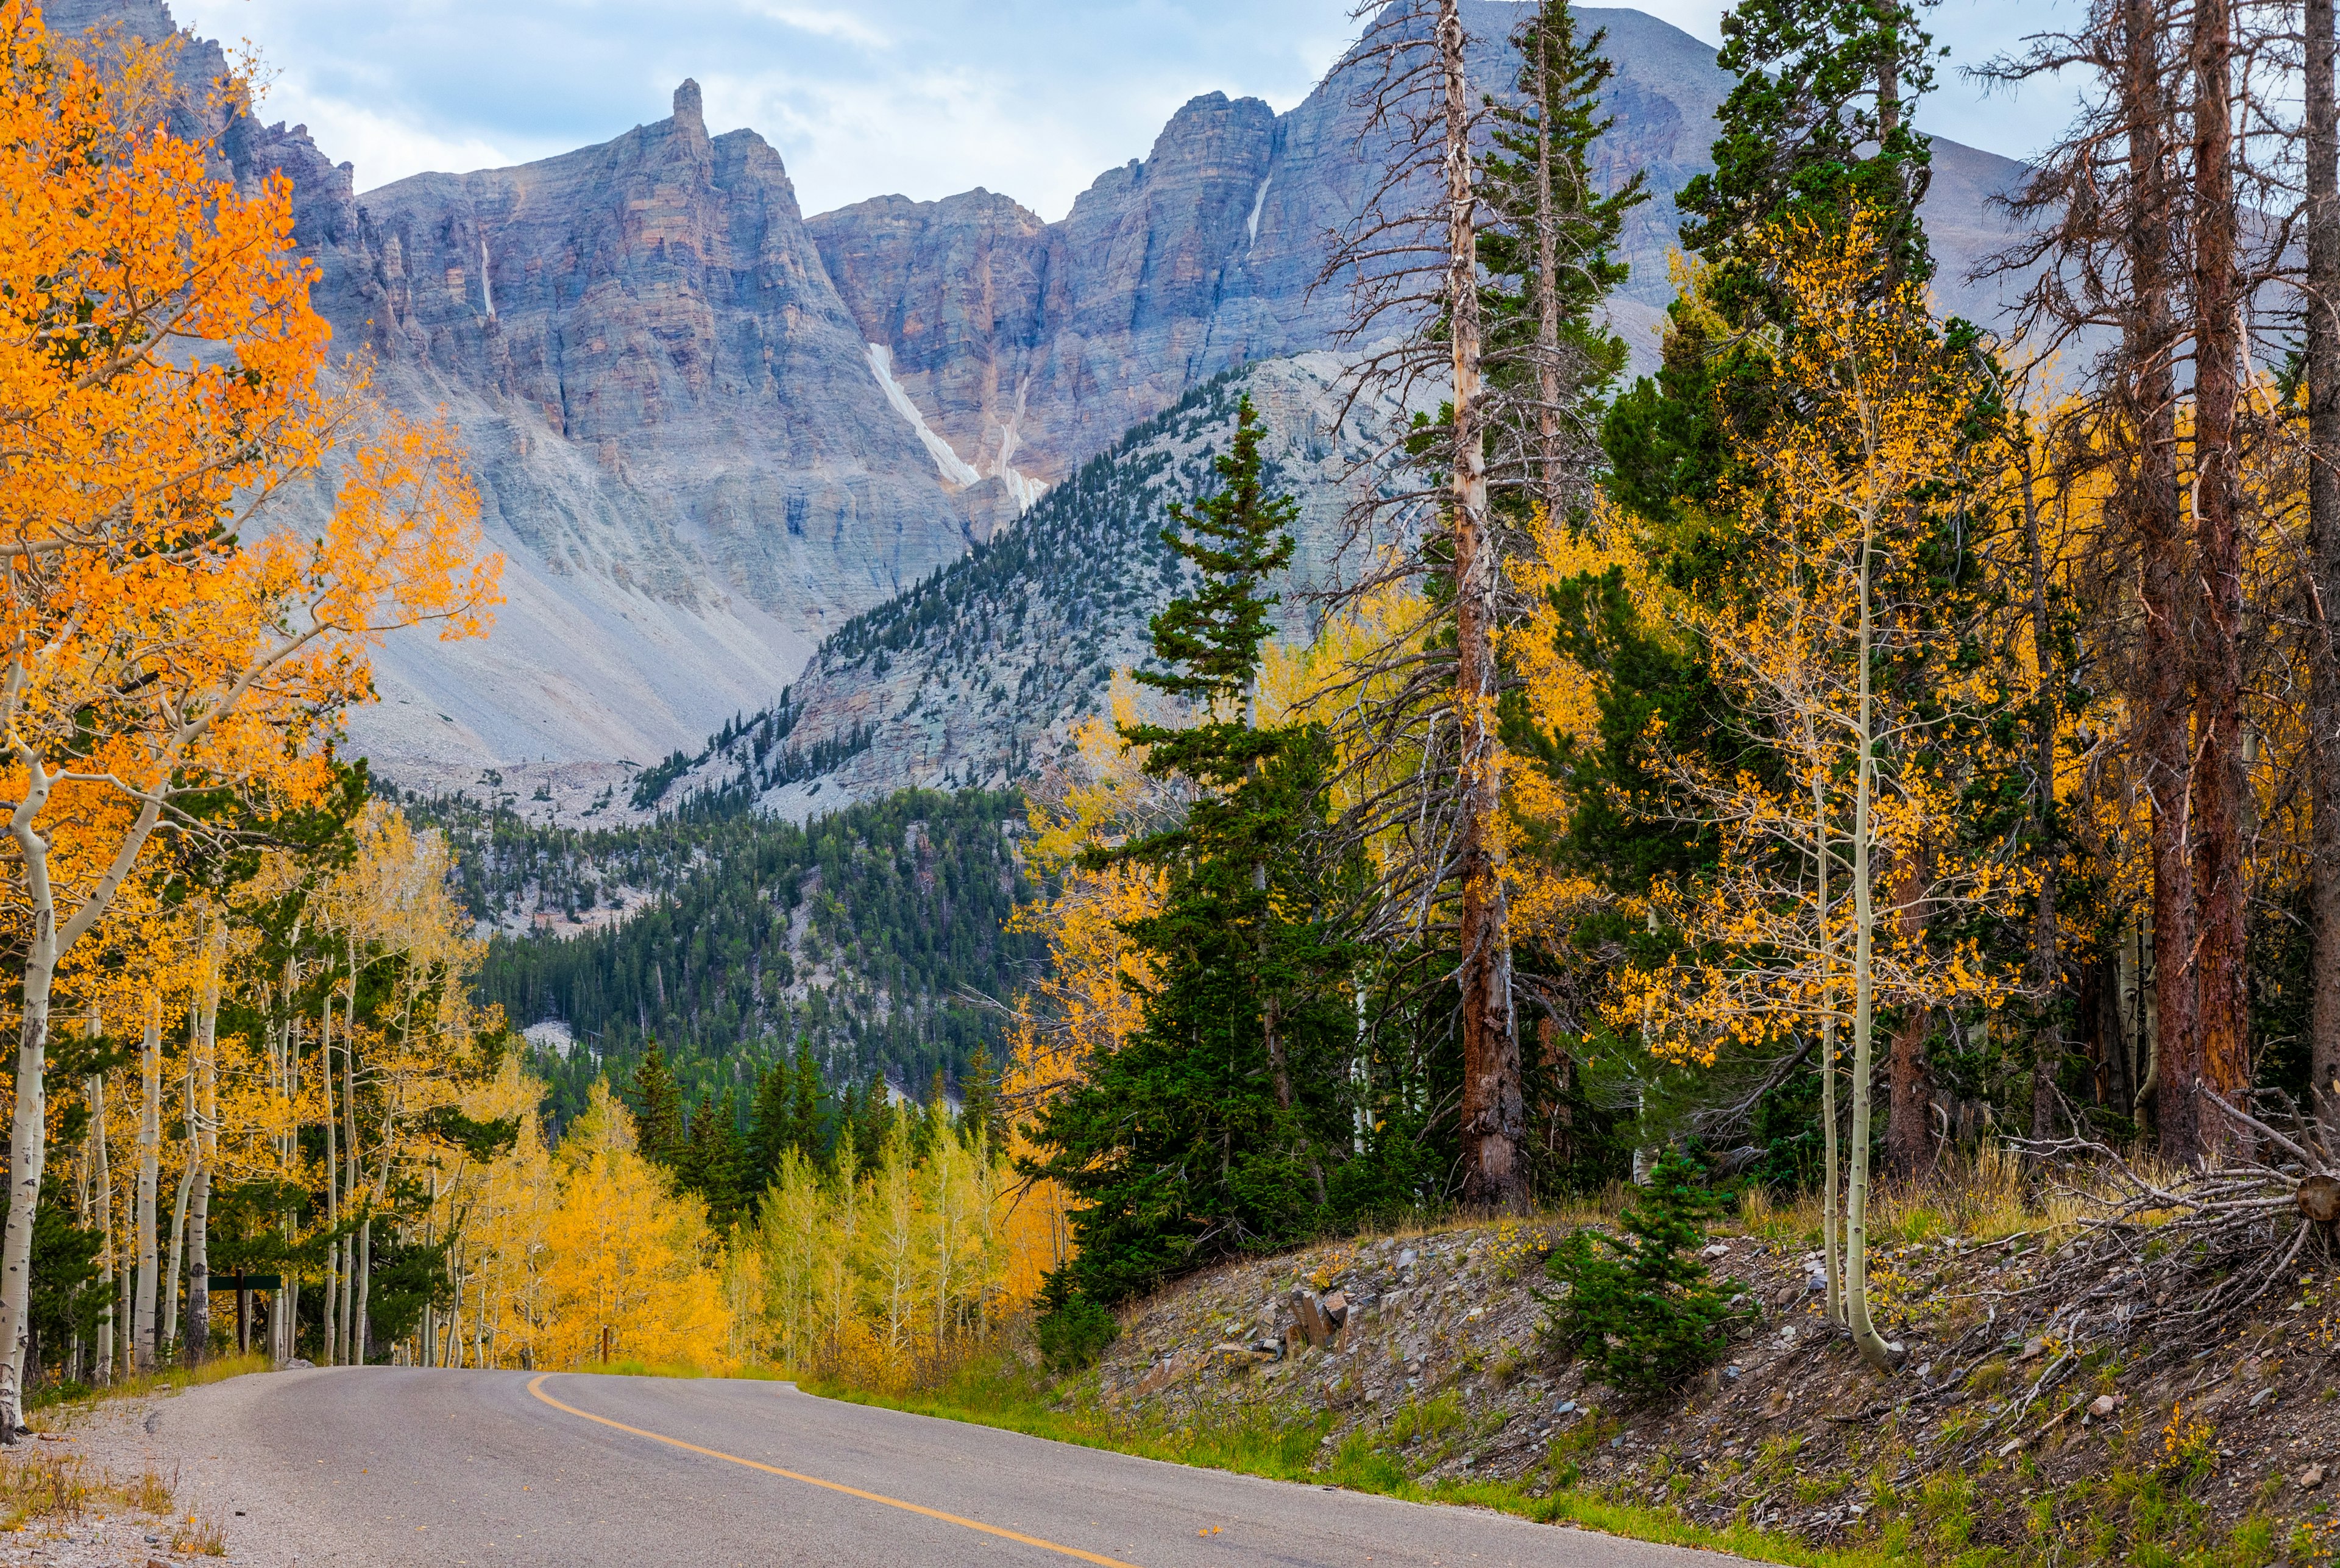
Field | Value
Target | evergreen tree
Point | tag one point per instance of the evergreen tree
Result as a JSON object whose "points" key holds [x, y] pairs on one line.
{"points": [[771, 1127], [1818, 124], [805, 1134], [1550, 255], [714, 1158], [658, 1108], [1208, 1131], [980, 1104], [1644, 1310]]}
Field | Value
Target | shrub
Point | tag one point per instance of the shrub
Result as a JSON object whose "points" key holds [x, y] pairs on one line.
{"points": [[1643, 1310], [1074, 1331]]}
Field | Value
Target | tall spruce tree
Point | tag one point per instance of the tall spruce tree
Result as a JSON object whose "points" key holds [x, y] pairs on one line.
{"points": [[1209, 1131], [1550, 254], [1818, 124], [658, 1108]]}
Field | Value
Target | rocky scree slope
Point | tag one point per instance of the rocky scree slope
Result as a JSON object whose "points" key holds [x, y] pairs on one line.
{"points": [[978, 675], [1424, 1358]]}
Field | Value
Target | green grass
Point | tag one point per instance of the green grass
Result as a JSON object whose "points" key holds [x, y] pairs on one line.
{"points": [[73, 1395], [1004, 1394]]}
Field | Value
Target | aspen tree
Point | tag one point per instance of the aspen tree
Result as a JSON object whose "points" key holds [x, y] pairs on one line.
{"points": [[160, 380], [150, 1139]]}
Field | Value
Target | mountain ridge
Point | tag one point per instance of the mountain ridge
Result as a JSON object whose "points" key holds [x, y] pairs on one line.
{"points": [[709, 430]]}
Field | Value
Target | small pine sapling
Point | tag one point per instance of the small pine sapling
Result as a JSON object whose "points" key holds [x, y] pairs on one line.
{"points": [[1643, 1310]]}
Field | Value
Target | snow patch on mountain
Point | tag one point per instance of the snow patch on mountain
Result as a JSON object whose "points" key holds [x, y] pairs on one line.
{"points": [[955, 469]]}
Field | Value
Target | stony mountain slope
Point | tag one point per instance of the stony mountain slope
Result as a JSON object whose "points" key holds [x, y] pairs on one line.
{"points": [[709, 431], [1031, 346], [1993, 1445], [978, 675]]}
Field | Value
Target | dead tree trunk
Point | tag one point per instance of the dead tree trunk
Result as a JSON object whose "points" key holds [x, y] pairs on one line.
{"points": [[1494, 1112], [2323, 552]]}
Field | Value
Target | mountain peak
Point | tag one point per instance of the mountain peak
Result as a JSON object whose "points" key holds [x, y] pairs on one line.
{"points": [[689, 109]]}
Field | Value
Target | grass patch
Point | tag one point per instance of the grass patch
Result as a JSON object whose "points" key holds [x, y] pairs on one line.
{"points": [[171, 1379], [1008, 1395]]}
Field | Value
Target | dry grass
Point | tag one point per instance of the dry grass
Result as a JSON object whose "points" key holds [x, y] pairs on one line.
{"points": [[1981, 1194], [201, 1537], [62, 1490]]}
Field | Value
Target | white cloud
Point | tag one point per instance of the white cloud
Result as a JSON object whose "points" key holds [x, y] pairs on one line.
{"points": [[1033, 98], [822, 24]]}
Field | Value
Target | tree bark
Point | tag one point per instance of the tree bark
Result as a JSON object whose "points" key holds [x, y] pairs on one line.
{"points": [[95, 1088], [2047, 970], [2151, 505], [2221, 779], [198, 1267], [1872, 1346], [1909, 1079], [1494, 1114], [2323, 334], [169, 1333], [143, 1322]]}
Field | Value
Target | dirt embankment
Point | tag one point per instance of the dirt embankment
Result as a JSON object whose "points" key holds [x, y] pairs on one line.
{"points": [[1426, 1354]]}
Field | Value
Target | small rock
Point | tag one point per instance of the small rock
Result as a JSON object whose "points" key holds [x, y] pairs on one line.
{"points": [[1719, 1249], [1335, 1307], [2104, 1405], [2311, 1478], [2033, 1349]]}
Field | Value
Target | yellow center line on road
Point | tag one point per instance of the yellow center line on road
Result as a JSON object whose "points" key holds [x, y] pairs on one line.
{"points": [[536, 1386]]}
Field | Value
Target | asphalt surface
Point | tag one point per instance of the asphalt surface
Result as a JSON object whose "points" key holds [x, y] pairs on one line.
{"points": [[385, 1465]]}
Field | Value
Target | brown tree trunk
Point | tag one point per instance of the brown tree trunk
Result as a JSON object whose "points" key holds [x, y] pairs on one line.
{"points": [[1909, 1079], [2047, 970], [1493, 1115], [2150, 506], [2221, 782], [2323, 553]]}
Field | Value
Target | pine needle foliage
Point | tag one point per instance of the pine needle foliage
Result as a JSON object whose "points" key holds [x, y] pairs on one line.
{"points": [[1205, 1134], [1643, 1310]]}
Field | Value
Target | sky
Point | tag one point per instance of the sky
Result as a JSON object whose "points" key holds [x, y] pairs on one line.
{"points": [[1033, 98]]}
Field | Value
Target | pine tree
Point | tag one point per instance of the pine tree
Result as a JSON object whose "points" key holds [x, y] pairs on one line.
{"points": [[658, 1108], [1209, 1130], [1817, 127], [1550, 256], [771, 1127], [805, 1134], [980, 1104]]}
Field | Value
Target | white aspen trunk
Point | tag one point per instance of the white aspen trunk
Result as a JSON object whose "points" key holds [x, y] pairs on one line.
{"points": [[352, 1348], [199, 1217], [1830, 1252], [329, 1339], [94, 1086], [29, 1125], [179, 1221], [1873, 1348], [150, 1153]]}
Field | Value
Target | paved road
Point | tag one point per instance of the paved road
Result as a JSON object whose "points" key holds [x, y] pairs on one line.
{"points": [[388, 1466]]}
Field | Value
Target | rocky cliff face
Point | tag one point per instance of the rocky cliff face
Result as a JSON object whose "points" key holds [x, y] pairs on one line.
{"points": [[1045, 341], [980, 675], [709, 431]]}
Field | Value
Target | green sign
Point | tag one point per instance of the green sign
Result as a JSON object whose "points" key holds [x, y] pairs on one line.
{"points": [[249, 1282]]}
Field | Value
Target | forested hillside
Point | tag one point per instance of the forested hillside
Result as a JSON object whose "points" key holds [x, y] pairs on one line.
{"points": [[877, 934]]}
